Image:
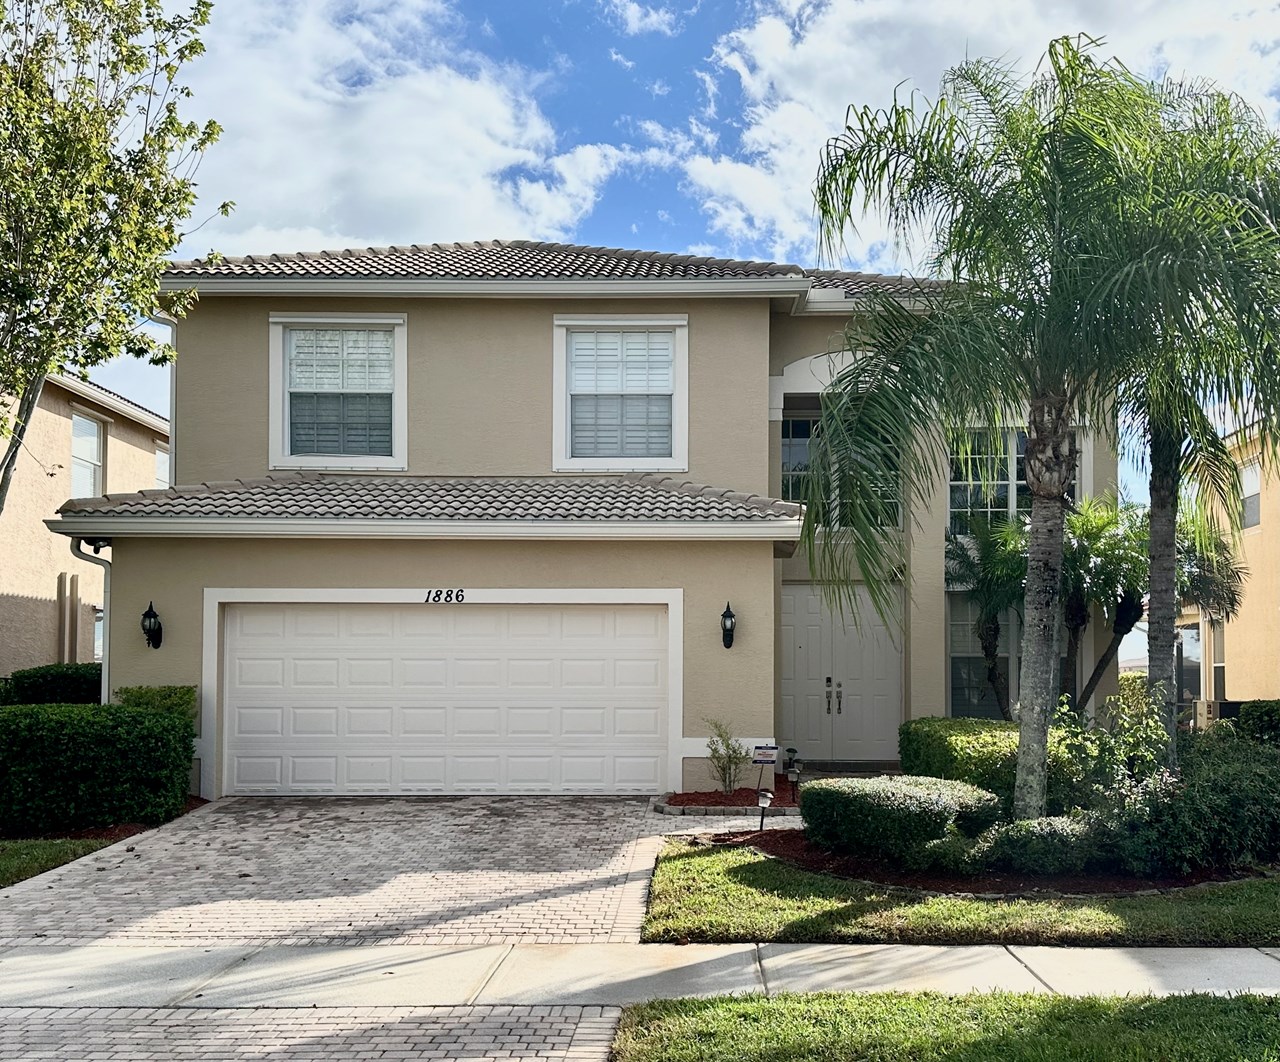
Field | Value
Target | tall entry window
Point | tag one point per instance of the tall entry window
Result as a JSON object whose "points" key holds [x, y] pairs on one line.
{"points": [[797, 431], [971, 694]]}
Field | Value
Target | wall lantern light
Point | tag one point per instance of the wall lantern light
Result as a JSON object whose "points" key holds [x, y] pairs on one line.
{"points": [[727, 623], [152, 627]]}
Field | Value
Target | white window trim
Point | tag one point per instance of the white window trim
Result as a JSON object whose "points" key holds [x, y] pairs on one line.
{"points": [[280, 458], [163, 448], [84, 413], [679, 459]]}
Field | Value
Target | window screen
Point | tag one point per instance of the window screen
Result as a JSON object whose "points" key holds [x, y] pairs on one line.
{"points": [[620, 390], [1251, 494], [340, 383]]}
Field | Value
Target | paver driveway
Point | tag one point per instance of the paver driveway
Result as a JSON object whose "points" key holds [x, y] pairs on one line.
{"points": [[427, 870]]}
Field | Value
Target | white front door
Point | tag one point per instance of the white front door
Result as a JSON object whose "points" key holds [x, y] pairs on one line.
{"points": [[841, 682], [396, 698]]}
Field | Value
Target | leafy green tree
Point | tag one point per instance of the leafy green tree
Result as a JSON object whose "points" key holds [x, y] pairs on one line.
{"points": [[990, 566], [1016, 189], [96, 175]]}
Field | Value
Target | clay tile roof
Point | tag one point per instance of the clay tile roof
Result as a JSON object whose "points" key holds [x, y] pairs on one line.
{"points": [[514, 260], [315, 496]]}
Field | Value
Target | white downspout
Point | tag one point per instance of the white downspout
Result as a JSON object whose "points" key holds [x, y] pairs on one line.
{"points": [[78, 549]]}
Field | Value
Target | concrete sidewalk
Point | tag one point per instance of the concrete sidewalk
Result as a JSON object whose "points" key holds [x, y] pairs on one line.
{"points": [[595, 974]]}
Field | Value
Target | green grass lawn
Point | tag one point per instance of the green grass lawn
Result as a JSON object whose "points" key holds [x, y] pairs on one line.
{"points": [[26, 859], [925, 1027], [722, 895]]}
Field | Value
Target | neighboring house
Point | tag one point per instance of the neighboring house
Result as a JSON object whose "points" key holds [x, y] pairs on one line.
{"points": [[1237, 660], [466, 517], [83, 441]]}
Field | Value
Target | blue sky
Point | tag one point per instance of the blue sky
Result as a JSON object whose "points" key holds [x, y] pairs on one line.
{"points": [[689, 125]]}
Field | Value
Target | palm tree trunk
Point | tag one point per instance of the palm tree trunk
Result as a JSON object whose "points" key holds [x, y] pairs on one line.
{"points": [[1050, 460], [989, 640], [1162, 610], [21, 419], [1128, 612]]}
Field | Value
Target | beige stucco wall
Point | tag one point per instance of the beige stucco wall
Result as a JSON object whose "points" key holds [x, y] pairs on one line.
{"points": [[480, 384], [735, 685], [1252, 638], [32, 556]]}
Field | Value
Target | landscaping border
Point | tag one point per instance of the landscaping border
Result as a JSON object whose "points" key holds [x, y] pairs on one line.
{"points": [[661, 807]]}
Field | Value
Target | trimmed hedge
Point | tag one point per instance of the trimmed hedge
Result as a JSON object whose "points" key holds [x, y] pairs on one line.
{"points": [[180, 699], [1260, 721], [1062, 844], [56, 684], [891, 817], [984, 753], [78, 766]]}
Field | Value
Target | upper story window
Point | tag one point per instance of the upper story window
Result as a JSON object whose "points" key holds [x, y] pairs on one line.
{"points": [[87, 445], [797, 431], [1251, 494], [991, 480], [339, 392], [162, 467], [621, 394]]}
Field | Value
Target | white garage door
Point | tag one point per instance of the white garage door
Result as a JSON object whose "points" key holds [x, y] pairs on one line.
{"points": [[445, 699]]}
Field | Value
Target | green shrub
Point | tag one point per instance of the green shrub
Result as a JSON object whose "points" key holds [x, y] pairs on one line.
{"points": [[56, 684], [1221, 812], [77, 766], [728, 756], [984, 753], [890, 817], [181, 699], [1260, 721], [6, 691], [953, 853], [1061, 844]]}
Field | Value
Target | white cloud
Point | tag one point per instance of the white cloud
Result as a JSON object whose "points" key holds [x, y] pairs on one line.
{"points": [[659, 88], [635, 18], [797, 65], [368, 121], [621, 60]]}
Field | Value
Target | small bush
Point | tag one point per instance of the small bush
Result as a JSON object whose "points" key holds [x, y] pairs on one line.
{"points": [[728, 756], [890, 817], [953, 853], [984, 753], [1059, 845], [1260, 721], [180, 699], [77, 766], [56, 684]]}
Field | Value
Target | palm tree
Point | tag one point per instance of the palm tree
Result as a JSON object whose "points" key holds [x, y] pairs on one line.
{"points": [[990, 566], [1017, 189]]}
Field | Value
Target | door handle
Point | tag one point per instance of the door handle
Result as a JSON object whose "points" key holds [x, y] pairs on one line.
{"points": [[839, 698], [828, 695]]}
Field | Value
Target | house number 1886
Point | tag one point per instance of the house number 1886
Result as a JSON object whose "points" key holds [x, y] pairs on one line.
{"points": [[447, 597]]}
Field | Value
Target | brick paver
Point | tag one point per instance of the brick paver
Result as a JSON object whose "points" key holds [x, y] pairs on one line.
{"points": [[473, 1034], [358, 871]]}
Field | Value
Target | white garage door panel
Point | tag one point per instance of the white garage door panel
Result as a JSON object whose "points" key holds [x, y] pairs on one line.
{"points": [[444, 699]]}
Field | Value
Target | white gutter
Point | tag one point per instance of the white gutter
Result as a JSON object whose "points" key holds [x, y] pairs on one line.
{"points": [[89, 526], [77, 548], [99, 397]]}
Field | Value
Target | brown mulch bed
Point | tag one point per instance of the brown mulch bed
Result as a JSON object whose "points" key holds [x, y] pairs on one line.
{"points": [[790, 846], [739, 798], [119, 832]]}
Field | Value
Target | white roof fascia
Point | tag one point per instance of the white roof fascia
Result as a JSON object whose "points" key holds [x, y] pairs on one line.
{"points": [[761, 287], [110, 402], [89, 526]]}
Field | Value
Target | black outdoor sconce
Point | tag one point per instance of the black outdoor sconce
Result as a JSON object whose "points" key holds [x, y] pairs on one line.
{"points": [[727, 622], [152, 627]]}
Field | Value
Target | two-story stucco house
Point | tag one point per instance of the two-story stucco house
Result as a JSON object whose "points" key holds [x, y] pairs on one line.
{"points": [[466, 518], [83, 441]]}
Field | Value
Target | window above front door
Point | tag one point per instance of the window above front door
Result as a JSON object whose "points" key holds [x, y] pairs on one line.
{"points": [[338, 391], [621, 394]]}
